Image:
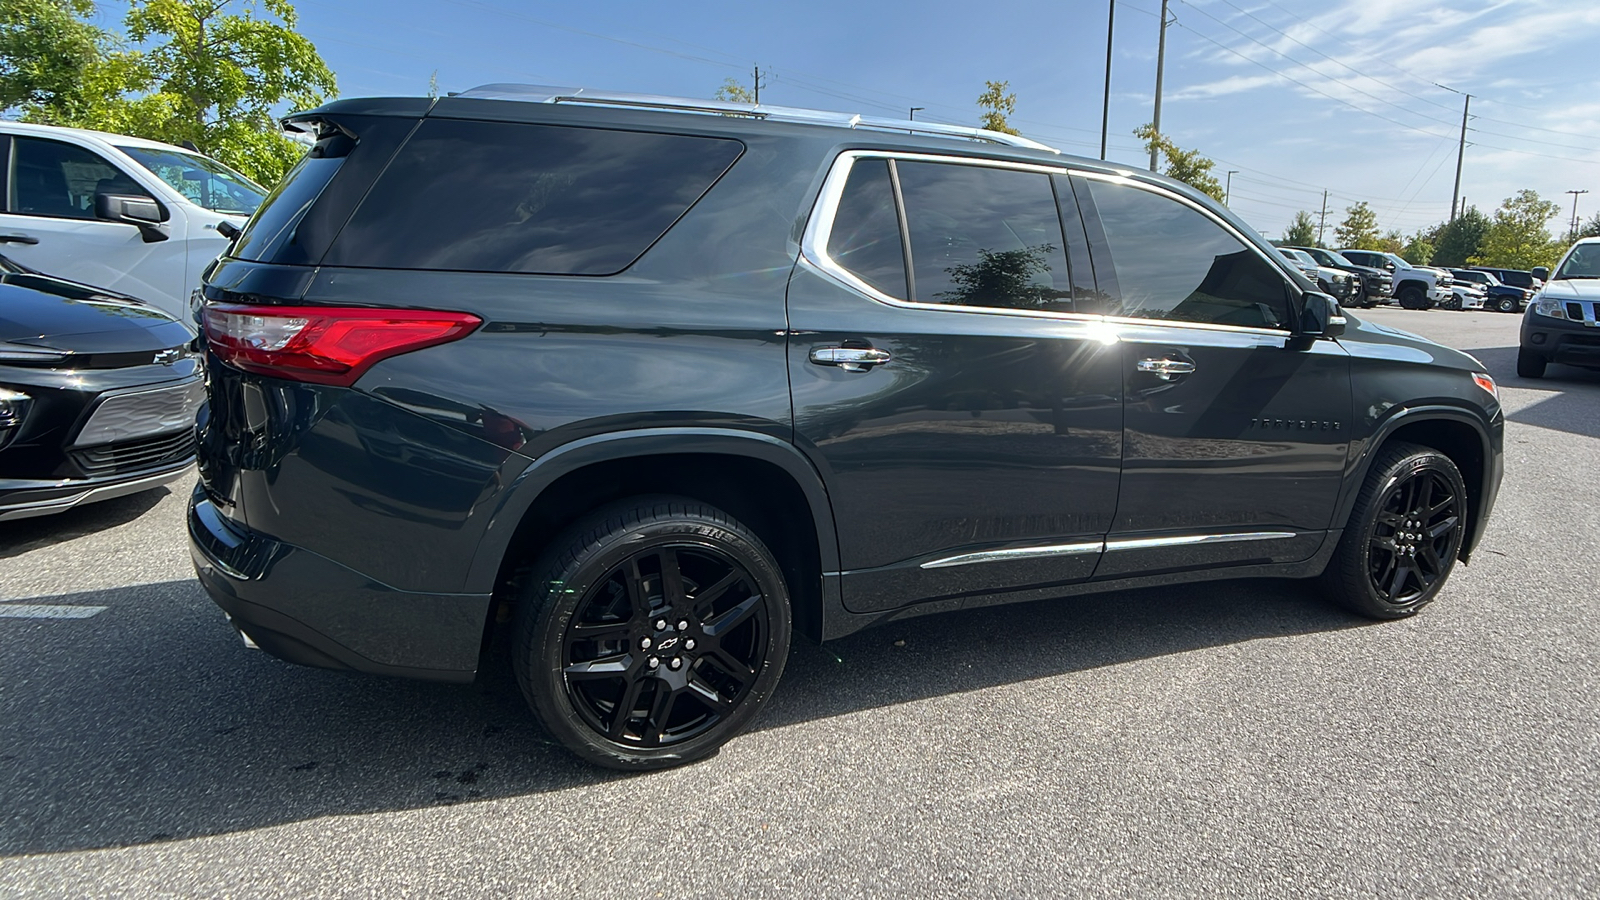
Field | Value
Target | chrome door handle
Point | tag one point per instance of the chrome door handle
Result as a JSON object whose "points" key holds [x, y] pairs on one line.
{"points": [[850, 359], [1165, 369], [18, 239]]}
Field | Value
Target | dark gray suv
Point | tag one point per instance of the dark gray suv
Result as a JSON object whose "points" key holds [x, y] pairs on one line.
{"points": [[638, 388]]}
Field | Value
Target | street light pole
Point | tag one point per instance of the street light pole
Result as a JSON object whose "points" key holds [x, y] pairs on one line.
{"points": [[1105, 106], [1161, 62], [914, 111], [1227, 192]]}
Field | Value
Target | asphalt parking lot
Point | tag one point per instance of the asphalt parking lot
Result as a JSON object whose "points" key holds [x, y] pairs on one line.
{"points": [[1227, 739]]}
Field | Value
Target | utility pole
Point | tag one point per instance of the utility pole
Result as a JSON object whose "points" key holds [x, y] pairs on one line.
{"points": [[1323, 222], [1572, 233], [1105, 106], [758, 85], [914, 111], [1161, 62], [1461, 150], [1228, 190]]}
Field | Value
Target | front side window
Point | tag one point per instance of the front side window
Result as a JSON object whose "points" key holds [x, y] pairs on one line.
{"points": [[206, 182], [984, 237], [50, 178], [1172, 262]]}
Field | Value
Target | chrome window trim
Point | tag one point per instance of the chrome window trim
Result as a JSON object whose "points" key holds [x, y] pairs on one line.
{"points": [[1187, 539], [1013, 553], [819, 227]]}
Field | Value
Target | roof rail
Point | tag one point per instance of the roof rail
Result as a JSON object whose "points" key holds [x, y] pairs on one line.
{"points": [[544, 93]]}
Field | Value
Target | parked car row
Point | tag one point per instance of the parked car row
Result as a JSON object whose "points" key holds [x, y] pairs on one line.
{"points": [[1380, 276], [105, 239]]}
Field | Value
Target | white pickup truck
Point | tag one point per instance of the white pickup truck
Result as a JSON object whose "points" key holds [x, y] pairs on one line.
{"points": [[1415, 287]]}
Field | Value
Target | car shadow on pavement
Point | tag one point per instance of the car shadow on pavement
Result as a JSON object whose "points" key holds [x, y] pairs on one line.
{"points": [[152, 722], [21, 535]]}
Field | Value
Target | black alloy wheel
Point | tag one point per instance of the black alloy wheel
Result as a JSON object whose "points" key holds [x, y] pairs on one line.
{"points": [[1403, 536], [1412, 298], [654, 635]]}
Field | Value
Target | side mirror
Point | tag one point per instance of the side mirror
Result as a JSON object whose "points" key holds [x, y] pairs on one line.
{"points": [[1541, 273], [133, 209], [1321, 317]]}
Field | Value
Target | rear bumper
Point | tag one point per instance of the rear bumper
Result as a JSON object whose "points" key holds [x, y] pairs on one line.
{"points": [[307, 609], [25, 499]]}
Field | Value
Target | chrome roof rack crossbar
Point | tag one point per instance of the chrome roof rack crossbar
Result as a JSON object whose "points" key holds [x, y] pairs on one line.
{"points": [[543, 93]]}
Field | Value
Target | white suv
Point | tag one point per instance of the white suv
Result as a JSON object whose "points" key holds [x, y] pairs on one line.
{"points": [[1415, 287], [117, 212]]}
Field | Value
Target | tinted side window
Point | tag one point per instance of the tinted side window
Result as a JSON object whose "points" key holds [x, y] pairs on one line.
{"points": [[49, 178], [984, 237], [1174, 263], [866, 229], [500, 197]]}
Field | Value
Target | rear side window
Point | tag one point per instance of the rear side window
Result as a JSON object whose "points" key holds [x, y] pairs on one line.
{"points": [[274, 223], [1174, 263], [984, 237], [545, 199], [866, 229]]}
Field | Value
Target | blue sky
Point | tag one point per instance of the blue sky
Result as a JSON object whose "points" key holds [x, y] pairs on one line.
{"points": [[1297, 96]]}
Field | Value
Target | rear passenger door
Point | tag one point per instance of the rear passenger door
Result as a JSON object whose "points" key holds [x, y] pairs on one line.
{"points": [[966, 418], [1235, 431]]}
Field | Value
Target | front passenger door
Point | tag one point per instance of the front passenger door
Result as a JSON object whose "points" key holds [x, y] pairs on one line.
{"points": [[1235, 431]]}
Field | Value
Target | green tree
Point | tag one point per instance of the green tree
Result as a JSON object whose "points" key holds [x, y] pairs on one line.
{"points": [[1187, 166], [46, 49], [734, 92], [1392, 241], [1460, 239], [1519, 238], [210, 72], [1590, 227], [1302, 232], [1418, 251], [997, 103], [1359, 230]]}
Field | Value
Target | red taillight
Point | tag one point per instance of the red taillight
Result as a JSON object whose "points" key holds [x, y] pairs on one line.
{"points": [[324, 344]]}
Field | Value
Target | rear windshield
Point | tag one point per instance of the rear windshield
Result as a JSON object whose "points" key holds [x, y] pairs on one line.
{"points": [[503, 197]]}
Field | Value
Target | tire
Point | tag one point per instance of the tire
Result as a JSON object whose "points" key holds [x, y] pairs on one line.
{"points": [[1401, 541], [586, 633], [1506, 304], [1454, 303], [1412, 297], [1530, 364]]}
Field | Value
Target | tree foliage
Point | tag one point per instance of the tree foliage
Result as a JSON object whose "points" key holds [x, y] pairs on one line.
{"points": [[1302, 232], [46, 49], [734, 92], [1518, 237], [1359, 230], [1460, 240], [209, 72], [1187, 166], [1418, 251], [997, 103]]}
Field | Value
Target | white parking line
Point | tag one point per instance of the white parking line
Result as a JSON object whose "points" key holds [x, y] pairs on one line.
{"points": [[45, 611]]}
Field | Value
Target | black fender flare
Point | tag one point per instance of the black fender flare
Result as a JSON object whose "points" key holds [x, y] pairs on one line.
{"points": [[1357, 467], [611, 446]]}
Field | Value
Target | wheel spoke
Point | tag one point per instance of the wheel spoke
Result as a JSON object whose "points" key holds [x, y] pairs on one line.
{"points": [[733, 668], [732, 618], [1431, 557], [1391, 519], [636, 593], [712, 594], [1384, 543], [599, 631], [1443, 528], [1441, 506], [1398, 583], [708, 693], [671, 577], [624, 710], [660, 712], [1424, 495], [604, 667]]}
